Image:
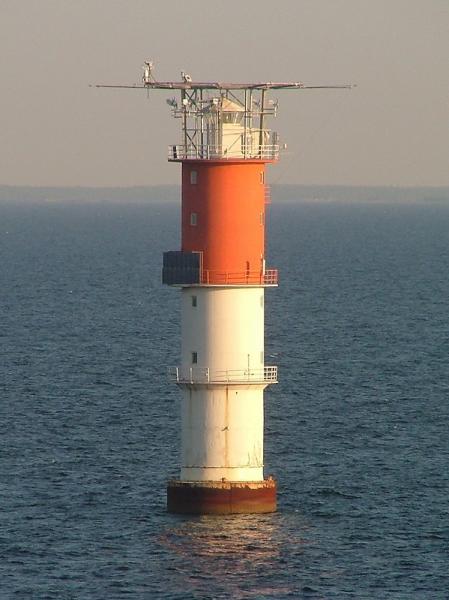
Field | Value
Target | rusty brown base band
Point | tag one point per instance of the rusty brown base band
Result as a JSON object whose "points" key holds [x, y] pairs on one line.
{"points": [[221, 498]]}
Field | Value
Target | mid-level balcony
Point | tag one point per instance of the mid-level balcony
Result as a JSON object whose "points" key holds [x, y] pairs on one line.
{"points": [[204, 375], [270, 277], [185, 269]]}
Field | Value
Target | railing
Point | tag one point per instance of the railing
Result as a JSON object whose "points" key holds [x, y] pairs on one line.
{"points": [[270, 277], [267, 194], [194, 375], [208, 152]]}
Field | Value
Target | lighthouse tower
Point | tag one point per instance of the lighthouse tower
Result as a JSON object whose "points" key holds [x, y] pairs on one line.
{"points": [[222, 274], [221, 271]]}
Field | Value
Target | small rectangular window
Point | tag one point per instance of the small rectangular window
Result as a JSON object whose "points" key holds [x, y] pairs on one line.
{"points": [[193, 177], [193, 218], [194, 358], [262, 177], [194, 301]]}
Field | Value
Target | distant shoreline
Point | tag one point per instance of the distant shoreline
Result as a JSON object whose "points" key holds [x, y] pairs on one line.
{"points": [[280, 193]]}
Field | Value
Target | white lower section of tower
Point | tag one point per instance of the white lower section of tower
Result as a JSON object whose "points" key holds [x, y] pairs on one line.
{"points": [[222, 434], [222, 404]]}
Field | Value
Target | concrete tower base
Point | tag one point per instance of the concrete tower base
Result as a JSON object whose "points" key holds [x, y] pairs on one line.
{"points": [[221, 497]]}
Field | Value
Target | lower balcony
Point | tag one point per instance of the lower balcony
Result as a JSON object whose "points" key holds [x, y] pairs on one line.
{"points": [[204, 375]]}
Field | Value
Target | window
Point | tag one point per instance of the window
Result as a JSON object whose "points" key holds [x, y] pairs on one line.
{"points": [[194, 358], [232, 117], [193, 218], [262, 177], [193, 177], [194, 301]]}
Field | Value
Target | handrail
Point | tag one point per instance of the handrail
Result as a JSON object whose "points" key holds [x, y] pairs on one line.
{"points": [[270, 277], [267, 194], [194, 375], [210, 152]]}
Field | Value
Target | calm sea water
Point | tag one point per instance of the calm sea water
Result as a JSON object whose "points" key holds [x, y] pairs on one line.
{"points": [[357, 429]]}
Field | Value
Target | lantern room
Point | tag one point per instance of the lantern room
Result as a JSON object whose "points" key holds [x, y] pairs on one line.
{"points": [[229, 124]]}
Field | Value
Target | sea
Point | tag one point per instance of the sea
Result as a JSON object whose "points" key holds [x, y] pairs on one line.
{"points": [[357, 429]]}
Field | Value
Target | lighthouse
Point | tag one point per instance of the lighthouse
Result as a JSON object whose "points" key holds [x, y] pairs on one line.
{"points": [[221, 272]]}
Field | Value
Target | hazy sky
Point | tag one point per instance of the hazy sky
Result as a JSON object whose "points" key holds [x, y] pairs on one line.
{"points": [[393, 129]]}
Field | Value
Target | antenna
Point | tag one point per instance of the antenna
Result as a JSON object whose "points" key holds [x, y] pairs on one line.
{"points": [[172, 102], [222, 119], [187, 83], [148, 76]]}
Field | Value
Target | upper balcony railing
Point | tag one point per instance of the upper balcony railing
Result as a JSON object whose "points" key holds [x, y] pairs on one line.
{"points": [[204, 375], [209, 152]]}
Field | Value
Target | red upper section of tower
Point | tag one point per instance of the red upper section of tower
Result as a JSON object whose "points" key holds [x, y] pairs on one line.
{"points": [[223, 217]]}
